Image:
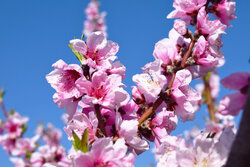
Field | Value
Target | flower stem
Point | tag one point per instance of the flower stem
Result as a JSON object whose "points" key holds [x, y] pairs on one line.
{"points": [[101, 125], [188, 53]]}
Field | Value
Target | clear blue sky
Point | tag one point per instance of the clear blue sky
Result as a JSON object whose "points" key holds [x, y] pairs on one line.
{"points": [[35, 33]]}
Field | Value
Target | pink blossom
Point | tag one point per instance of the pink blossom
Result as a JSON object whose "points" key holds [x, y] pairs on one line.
{"points": [[79, 123], [23, 145], [166, 153], [53, 155], [128, 129], [50, 135], [95, 20], [162, 125], [236, 81], [14, 125], [185, 96], [233, 103], [19, 162], [116, 68], [97, 50], [180, 27], [92, 11], [225, 11], [104, 90], [207, 27], [184, 8], [105, 153], [166, 51], [63, 79], [7, 143], [205, 151], [150, 85]]}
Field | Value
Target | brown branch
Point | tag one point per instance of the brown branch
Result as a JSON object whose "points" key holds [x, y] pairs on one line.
{"points": [[209, 100], [240, 151], [188, 53], [149, 111], [101, 124]]}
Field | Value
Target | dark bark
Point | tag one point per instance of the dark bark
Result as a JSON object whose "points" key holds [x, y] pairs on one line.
{"points": [[240, 152]]}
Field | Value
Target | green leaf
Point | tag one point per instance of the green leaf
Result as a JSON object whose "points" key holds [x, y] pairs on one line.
{"points": [[85, 138], [79, 144], [79, 56]]}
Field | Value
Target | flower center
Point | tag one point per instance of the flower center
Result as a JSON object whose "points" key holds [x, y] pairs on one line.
{"points": [[68, 79]]}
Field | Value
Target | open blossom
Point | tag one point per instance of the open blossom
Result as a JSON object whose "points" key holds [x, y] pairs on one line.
{"points": [[232, 104], [205, 151], [225, 11], [53, 155], [185, 96], [97, 50], [105, 153], [167, 50], [63, 80], [128, 129], [79, 123], [150, 85], [104, 90], [184, 8], [162, 125], [23, 145], [208, 27], [14, 125], [49, 135]]}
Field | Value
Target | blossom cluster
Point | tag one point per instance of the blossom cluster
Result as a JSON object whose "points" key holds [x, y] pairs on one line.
{"points": [[107, 127], [98, 107], [27, 152], [95, 20]]}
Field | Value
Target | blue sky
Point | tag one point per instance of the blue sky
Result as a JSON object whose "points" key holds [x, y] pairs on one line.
{"points": [[34, 34]]}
